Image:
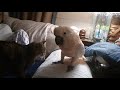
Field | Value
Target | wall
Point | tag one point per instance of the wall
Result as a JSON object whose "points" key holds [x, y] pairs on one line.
{"points": [[81, 20]]}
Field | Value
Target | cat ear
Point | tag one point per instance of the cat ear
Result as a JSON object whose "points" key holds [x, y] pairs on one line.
{"points": [[43, 42]]}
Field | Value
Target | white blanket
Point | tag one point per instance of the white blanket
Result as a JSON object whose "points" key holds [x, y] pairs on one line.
{"points": [[49, 70]]}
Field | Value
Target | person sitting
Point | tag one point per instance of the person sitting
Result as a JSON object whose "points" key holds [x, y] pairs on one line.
{"points": [[114, 33]]}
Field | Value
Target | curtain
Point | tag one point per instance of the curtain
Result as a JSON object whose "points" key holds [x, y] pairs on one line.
{"points": [[1, 17], [35, 16]]}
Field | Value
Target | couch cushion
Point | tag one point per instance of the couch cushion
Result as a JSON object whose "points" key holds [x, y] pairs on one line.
{"points": [[50, 42], [37, 32], [5, 32], [49, 70]]}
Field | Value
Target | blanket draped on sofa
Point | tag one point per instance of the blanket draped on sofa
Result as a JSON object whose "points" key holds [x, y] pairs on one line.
{"points": [[37, 31]]}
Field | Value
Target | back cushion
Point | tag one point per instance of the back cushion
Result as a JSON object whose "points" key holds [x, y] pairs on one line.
{"points": [[33, 29], [37, 32], [50, 43]]}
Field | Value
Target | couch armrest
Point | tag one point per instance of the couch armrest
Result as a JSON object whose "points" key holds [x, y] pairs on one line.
{"points": [[9, 20]]}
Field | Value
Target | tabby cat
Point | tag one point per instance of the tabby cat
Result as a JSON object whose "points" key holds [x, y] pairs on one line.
{"points": [[16, 58]]}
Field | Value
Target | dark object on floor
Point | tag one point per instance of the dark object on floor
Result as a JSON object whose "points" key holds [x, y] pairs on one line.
{"points": [[16, 58]]}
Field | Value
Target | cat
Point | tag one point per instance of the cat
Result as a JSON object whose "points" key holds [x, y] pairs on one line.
{"points": [[16, 58]]}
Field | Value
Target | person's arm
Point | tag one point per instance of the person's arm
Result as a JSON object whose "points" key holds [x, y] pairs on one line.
{"points": [[115, 32]]}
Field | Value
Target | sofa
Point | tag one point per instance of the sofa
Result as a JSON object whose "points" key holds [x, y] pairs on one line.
{"points": [[33, 28], [37, 32]]}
